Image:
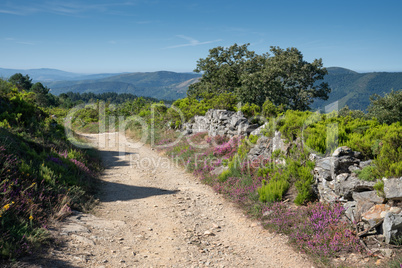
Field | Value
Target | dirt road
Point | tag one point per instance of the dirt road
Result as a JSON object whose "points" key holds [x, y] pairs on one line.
{"points": [[154, 214]]}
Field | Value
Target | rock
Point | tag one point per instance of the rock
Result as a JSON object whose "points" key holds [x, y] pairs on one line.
{"points": [[208, 233], [322, 169], [365, 201], [342, 164], [251, 128], [374, 215], [217, 171], [257, 131], [342, 151], [369, 196], [392, 227], [393, 188], [364, 164], [350, 210], [386, 252], [349, 184]]}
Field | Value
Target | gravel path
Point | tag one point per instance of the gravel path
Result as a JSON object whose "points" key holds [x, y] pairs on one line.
{"points": [[154, 214]]}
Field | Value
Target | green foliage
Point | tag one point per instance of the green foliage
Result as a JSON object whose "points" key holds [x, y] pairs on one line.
{"points": [[234, 164], [250, 110], [367, 173], [379, 187], [284, 78], [292, 123], [270, 110], [304, 183], [36, 172], [253, 139], [389, 160], [273, 190], [387, 109], [21, 81], [355, 114]]}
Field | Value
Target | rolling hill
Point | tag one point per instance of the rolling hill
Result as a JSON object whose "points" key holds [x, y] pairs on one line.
{"points": [[161, 85], [354, 89], [48, 75], [348, 87]]}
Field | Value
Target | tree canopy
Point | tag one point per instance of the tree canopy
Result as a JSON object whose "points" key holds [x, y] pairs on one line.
{"points": [[21, 81], [387, 109], [284, 77]]}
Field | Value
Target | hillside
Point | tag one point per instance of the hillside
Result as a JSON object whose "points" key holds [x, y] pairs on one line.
{"points": [[348, 87], [48, 75], [161, 85], [354, 89]]}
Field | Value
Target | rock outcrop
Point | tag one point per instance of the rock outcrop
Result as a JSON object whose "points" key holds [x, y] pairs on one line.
{"points": [[220, 122]]}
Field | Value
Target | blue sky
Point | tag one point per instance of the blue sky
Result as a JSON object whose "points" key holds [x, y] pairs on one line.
{"points": [[140, 35]]}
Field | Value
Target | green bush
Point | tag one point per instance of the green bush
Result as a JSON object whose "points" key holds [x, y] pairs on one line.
{"points": [[367, 173], [379, 187], [389, 160], [273, 190], [387, 109]]}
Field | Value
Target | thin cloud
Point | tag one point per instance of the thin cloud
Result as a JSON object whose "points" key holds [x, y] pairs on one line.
{"points": [[3, 11], [25, 43], [61, 8], [192, 42]]}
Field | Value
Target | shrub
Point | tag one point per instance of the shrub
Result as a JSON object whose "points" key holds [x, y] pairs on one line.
{"points": [[367, 173], [379, 187], [273, 190], [387, 109], [316, 229]]}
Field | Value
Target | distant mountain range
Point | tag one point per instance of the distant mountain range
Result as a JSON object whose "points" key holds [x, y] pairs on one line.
{"points": [[354, 89], [348, 87]]}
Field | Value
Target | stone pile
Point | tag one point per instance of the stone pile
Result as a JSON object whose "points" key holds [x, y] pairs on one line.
{"points": [[220, 122], [266, 146], [335, 181]]}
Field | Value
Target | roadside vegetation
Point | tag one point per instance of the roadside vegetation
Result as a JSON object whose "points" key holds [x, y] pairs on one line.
{"points": [[43, 176]]}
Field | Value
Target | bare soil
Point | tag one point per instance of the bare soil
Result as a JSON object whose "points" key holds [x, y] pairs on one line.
{"points": [[154, 214]]}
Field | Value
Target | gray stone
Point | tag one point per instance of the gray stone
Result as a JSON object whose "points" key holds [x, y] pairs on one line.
{"points": [[342, 151], [257, 132], [386, 252], [364, 164], [350, 210], [352, 184], [393, 188], [369, 196], [392, 227], [217, 171], [342, 164], [322, 169], [365, 201]]}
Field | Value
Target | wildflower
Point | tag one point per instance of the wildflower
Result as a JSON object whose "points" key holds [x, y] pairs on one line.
{"points": [[30, 217], [7, 206]]}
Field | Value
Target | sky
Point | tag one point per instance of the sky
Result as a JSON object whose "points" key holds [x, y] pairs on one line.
{"points": [[98, 36]]}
